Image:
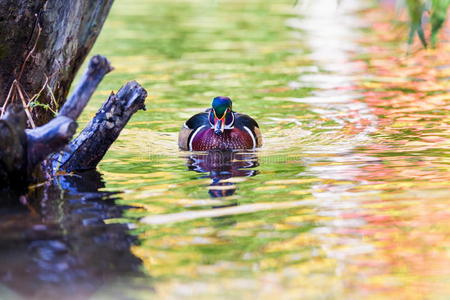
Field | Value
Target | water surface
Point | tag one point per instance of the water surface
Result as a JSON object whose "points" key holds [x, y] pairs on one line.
{"points": [[348, 198]]}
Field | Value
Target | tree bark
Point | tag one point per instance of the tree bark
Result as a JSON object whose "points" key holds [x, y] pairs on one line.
{"points": [[42, 45], [13, 147]]}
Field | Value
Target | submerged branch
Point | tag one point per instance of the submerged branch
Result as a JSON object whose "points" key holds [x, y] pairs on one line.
{"points": [[86, 151]]}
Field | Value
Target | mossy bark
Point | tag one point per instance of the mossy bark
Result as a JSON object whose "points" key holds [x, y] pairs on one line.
{"points": [[42, 45], [46, 42]]}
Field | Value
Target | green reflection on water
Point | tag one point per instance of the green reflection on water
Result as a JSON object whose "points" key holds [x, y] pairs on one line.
{"points": [[185, 53]]}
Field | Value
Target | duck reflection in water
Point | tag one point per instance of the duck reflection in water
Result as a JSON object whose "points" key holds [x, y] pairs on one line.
{"points": [[221, 165]]}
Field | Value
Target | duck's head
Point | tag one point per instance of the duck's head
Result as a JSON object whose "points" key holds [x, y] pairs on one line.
{"points": [[221, 116]]}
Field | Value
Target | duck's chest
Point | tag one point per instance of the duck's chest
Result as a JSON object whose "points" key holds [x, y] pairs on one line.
{"points": [[236, 138]]}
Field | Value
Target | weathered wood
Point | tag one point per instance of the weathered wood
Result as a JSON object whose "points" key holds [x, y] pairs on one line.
{"points": [[42, 40], [22, 150], [42, 45], [86, 151], [13, 147], [49, 138], [57, 133], [98, 67]]}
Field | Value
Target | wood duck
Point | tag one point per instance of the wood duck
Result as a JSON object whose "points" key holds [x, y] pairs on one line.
{"points": [[219, 128]]}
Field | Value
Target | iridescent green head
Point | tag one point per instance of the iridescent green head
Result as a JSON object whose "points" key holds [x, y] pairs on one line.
{"points": [[220, 106], [221, 116]]}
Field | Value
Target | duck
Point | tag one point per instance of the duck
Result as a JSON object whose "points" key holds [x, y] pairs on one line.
{"points": [[220, 128]]}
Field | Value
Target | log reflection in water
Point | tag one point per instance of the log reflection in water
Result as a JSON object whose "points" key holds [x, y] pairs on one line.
{"points": [[55, 241]]}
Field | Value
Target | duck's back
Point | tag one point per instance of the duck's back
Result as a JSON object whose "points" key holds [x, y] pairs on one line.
{"points": [[189, 128], [248, 124]]}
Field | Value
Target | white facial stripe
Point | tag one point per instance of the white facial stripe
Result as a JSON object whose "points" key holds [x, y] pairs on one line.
{"points": [[193, 136], [230, 126], [209, 119], [252, 136]]}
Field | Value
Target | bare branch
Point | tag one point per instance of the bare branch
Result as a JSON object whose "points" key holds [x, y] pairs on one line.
{"points": [[98, 67], [86, 151]]}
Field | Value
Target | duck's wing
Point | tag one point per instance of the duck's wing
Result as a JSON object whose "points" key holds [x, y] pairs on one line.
{"points": [[247, 123], [191, 125]]}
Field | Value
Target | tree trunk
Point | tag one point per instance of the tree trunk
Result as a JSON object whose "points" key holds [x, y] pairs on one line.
{"points": [[42, 45]]}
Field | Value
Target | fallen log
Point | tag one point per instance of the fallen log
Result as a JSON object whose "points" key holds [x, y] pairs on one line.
{"points": [[54, 135], [23, 151], [86, 151]]}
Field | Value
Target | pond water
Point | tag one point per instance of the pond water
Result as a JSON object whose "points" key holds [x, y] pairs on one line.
{"points": [[347, 199]]}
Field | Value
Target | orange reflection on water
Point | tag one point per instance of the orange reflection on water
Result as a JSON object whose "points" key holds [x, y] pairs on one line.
{"points": [[406, 211]]}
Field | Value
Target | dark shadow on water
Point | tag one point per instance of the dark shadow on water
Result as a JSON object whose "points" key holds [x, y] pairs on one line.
{"points": [[55, 243]]}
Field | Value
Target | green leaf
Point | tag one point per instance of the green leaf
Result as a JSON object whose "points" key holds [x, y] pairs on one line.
{"points": [[438, 15], [416, 9]]}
